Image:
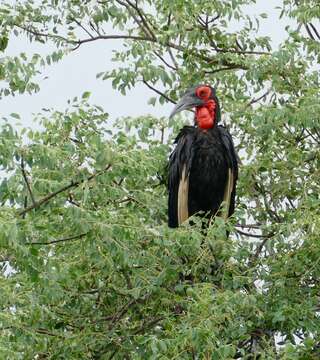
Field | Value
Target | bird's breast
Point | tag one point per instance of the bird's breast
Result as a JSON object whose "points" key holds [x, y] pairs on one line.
{"points": [[208, 173]]}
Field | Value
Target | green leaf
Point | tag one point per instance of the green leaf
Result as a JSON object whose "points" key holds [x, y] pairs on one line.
{"points": [[86, 95], [15, 115]]}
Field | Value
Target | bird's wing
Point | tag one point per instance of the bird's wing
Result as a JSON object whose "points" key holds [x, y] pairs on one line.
{"points": [[179, 167], [230, 188]]}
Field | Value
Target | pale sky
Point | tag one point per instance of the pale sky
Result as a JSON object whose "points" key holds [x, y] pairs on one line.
{"points": [[76, 73]]}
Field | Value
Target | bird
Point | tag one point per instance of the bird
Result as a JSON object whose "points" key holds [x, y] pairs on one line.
{"points": [[203, 167]]}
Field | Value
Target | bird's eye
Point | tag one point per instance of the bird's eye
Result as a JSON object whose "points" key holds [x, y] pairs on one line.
{"points": [[203, 92]]}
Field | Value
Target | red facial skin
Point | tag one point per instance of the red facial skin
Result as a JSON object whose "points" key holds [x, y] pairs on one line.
{"points": [[205, 114]]}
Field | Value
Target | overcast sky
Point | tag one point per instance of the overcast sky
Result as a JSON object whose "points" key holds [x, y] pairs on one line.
{"points": [[76, 73]]}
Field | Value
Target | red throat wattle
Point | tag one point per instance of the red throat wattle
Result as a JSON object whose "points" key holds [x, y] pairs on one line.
{"points": [[205, 115]]}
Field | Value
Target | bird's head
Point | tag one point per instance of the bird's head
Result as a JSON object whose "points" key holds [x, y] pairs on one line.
{"points": [[203, 99]]}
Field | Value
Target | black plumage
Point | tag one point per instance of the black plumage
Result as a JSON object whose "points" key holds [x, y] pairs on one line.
{"points": [[203, 168]]}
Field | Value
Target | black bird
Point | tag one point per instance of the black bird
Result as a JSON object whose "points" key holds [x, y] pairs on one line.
{"points": [[203, 167]]}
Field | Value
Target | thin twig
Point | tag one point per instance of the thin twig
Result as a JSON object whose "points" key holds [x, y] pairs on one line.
{"points": [[146, 325], [47, 332], [243, 52], [173, 59], [162, 135], [132, 14], [94, 28], [169, 44], [205, 26], [71, 238], [309, 32], [315, 30], [39, 33], [117, 317], [255, 256], [82, 27], [158, 91], [24, 174], [259, 236], [48, 197], [253, 101], [292, 204], [238, 45], [143, 18], [164, 61], [249, 226], [231, 67], [312, 136]]}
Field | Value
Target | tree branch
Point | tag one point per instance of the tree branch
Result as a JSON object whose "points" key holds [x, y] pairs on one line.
{"points": [[315, 30], [158, 91], [257, 253], [259, 236], [51, 36], [242, 52], [47, 332], [169, 44], [231, 67], [82, 27], [71, 238], [164, 61], [253, 101], [132, 14], [147, 324], [204, 24], [73, 184], [173, 58], [142, 18], [24, 174], [249, 226], [309, 32]]}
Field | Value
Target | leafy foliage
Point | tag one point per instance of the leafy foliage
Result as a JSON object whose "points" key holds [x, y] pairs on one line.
{"points": [[89, 268]]}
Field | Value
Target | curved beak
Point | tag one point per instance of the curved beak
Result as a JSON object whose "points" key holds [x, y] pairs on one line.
{"points": [[188, 101]]}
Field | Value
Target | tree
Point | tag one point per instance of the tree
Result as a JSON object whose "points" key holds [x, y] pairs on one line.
{"points": [[95, 272]]}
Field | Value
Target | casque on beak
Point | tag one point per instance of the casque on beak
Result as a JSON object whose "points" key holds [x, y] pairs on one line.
{"points": [[188, 101]]}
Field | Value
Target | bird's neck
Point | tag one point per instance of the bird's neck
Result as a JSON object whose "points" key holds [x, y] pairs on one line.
{"points": [[205, 115]]}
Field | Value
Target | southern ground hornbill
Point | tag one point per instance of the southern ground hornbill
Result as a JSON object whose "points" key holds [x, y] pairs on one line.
{"points": [[203, 167]]}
